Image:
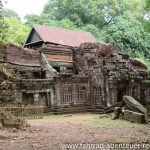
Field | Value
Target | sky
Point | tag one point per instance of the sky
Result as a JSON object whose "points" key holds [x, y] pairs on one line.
{"points": [[23, 7]]}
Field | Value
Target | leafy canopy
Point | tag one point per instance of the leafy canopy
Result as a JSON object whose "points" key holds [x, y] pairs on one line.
{"points": [[97, 12], [129, 35], [3, 28], [17, 32], [10, 14]]}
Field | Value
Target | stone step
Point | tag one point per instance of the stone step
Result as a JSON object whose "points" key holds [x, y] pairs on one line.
{"points": [[75, 109]]}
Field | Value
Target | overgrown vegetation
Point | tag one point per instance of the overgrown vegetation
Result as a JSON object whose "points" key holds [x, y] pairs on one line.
{"points": [[7, 95], [125, 24], [107, 123], [3, 28], [7, 98]]}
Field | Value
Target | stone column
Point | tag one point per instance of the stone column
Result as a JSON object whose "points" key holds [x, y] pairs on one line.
{"points": [[74, 94], [58, 96], [36, 98], [18, 95], [52, 97], [48, 98]]}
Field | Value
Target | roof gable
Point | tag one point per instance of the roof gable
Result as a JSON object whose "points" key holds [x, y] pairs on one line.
{"points": [[61, 36], [34, 36]]}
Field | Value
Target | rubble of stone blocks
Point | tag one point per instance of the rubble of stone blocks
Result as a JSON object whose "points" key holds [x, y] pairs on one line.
{"points": [[131, 111], [134, 117], [9, 121]]}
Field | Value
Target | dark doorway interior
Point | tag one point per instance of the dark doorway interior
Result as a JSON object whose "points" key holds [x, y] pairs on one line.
{"points": [[28, 99], [121, 90], [120, 93]]}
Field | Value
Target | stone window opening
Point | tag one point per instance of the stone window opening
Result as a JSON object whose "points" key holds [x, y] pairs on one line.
{"points": [[96, 94], [66, 94], [81, 94], [57, 69], [36, 75]]}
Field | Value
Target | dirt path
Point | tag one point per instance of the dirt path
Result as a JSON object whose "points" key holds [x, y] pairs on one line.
{"points": [[49, 134]]}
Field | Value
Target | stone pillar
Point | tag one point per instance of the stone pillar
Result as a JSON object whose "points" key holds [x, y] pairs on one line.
{"points": [[115, 91], [58, 96], [36, 98], [87, 94], [52, 98], [48, 98], [74, 94], [106, 90], [18, 95]]}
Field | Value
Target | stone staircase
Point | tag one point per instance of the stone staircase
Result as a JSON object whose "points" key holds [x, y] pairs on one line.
{"points": [[99, 109]]}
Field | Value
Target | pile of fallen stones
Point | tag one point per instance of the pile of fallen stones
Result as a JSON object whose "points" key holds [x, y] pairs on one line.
{"points": [[130, 110], [10, 121]]}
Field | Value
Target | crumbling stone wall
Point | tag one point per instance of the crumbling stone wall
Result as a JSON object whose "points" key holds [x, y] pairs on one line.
{"points": [[112, 71], [19, 55], [72, 90], [7, 86], [100, 75]]}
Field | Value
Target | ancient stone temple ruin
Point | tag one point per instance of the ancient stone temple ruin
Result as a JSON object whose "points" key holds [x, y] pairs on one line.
{"points": [[67, 71]]}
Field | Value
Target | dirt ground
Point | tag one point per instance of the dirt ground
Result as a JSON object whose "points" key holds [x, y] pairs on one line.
{"points": [[51, 132]]}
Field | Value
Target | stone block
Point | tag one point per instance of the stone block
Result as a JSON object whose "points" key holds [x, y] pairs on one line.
{"points": [[134, 117], [127, 114], [138, 118], [134, 105], [117, 112]]}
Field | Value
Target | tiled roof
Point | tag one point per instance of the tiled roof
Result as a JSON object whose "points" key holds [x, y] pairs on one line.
{"points": [[61, 36]]}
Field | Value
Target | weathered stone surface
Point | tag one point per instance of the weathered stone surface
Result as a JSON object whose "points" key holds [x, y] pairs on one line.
{"points": [[127, 115], [7, 120], [50, 71], [117, 112], [137, 118], [134, 105], [111, 108], [134, 117]]}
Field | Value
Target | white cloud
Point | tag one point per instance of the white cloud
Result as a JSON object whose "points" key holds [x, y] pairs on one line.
{"points": [[24, 7]]}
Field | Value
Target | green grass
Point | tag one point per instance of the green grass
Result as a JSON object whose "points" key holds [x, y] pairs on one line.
{"points": [[108, 123]]}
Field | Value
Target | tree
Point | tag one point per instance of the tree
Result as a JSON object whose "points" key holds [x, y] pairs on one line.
{"points": [[3, 28], [147, 20], [80, 12], [10, 14], [17, 32], [94, 30], [148, 5], [96, 12], [128, 35], [134, 8], [1, 6]]}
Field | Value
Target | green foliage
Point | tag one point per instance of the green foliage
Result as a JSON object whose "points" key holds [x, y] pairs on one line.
{"points": [[147, 25], [97, 12], [35, 19], [7, 98], [147, 22], [141, 56], [8, 13], [148, 5], [128, 35], [17, 32], [94, 30], [3, 31], [3, 28], [80, 12], [134, 8]]}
